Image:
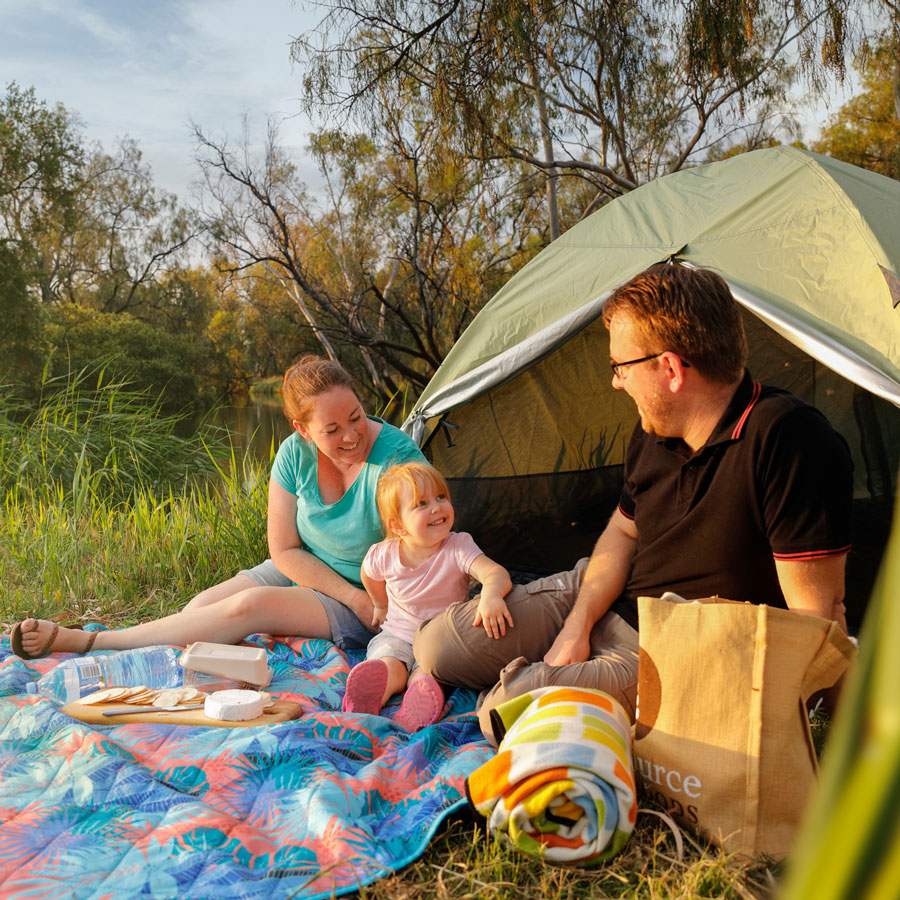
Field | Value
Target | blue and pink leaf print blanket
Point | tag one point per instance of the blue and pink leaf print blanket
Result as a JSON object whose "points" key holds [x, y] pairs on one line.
{"points": [[314, 807]]}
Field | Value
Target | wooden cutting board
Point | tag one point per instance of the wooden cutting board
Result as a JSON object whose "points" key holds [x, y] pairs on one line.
{"points": [[281, 711]]}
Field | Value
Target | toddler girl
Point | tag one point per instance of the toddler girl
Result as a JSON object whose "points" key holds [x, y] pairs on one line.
{"points": [[415, 573]]}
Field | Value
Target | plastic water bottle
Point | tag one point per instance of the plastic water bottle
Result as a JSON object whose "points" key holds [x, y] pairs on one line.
{"points": [[72, 679]]}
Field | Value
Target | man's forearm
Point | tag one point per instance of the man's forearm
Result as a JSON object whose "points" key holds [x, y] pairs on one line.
{"points": [[814, 586], [604, 580], [607, 572]]}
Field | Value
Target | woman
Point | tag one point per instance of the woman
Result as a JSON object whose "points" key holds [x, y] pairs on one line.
{"points": [[322, 519]]}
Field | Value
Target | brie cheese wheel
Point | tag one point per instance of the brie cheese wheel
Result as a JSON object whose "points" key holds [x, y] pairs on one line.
{"points": [[234, 706]]}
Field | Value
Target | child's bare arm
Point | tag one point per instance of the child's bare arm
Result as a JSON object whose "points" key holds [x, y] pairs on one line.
{"points": [[378, 592], [493, 612]]}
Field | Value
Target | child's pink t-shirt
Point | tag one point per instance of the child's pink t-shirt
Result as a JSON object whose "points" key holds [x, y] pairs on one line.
{"points": [[418, 594]]}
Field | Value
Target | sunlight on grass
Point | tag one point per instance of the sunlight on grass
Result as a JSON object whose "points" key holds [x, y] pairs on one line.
{"points": [[108, 515]]}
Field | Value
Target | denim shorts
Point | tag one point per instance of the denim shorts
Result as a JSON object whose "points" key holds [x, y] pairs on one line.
{"points": [[347, 632], [387, 645]]}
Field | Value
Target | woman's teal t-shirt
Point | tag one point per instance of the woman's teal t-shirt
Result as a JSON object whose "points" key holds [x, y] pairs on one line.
{"points": [[340, 534]]}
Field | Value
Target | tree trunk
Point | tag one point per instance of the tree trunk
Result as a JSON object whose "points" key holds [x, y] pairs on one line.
{"points": [[304, 309], [547, 146], [897, 85]]}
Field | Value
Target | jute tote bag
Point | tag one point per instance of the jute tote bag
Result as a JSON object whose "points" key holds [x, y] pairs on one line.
{"points": [[722, 735]]}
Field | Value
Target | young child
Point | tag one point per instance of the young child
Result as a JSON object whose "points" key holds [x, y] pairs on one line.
{"points": [[415, 573]]}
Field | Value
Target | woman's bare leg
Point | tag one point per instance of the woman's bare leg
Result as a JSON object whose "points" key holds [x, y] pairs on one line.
{"points": [[220, 591], [269, 610]]}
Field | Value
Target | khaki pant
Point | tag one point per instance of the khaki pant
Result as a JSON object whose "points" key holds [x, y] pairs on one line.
{"points": [[450, 649]]}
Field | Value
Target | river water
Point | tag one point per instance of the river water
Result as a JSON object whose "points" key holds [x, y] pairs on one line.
{"points": [[255, 427]]}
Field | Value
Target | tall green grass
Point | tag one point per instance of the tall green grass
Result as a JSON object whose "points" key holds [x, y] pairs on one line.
{"points": [[108, 514], [89, 433]]}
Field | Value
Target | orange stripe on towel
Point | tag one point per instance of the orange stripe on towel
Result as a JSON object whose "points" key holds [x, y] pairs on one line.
{"points": [[551, 839], [625, 776], [573, 695], [484, 780], [527, 786]]}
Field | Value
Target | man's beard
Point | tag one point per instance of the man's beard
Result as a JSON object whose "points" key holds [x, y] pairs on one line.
{"points": [[655, 415]]}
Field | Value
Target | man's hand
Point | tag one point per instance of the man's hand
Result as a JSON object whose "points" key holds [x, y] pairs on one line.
{"points": [[494, 614], [572, 645]]}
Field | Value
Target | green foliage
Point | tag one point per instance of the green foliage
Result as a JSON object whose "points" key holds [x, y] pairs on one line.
{"points": [[82, 229], [865, 131], [101, 498], [42, 165], [21, 322], [602, 93], [94, 436], [165, 362]]}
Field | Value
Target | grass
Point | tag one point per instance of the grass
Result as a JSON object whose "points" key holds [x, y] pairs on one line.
{"points": [[101, 501], [464, 861]]}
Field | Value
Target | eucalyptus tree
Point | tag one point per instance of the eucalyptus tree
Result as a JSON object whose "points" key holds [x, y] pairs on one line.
{"points": [[865, 131], [391, 257], [613, 93], [131, 236], [89, 227], [86, 233], [42, 167]]}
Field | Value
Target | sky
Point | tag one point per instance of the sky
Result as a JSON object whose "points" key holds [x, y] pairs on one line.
{"points": [[147, 68]]}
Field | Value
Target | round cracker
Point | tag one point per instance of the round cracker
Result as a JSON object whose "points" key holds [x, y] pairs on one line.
{"points": [[100, 696], [143, 698], [166, 698]]}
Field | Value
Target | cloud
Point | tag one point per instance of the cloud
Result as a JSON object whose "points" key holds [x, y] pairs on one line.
{"points": [[147, 69]]}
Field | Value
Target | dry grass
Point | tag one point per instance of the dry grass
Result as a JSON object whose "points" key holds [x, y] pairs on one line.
{"points": [[466, 862]]}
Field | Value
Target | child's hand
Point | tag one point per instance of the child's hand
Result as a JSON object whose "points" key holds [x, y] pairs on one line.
{"points": [[379, 614], [493, 613]]}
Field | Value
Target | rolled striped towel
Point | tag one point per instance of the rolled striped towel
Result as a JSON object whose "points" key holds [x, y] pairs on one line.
{"points": [[562, 783]]}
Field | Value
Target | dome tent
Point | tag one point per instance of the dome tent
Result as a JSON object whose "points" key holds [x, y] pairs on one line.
{"points": [[532, 433]]}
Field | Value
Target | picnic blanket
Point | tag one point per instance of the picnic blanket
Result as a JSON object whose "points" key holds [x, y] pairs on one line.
{"points": [[314, 807], [562, 783]]}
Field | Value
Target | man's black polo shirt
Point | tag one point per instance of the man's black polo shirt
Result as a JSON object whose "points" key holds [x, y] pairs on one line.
{"points": [[774, 481]]}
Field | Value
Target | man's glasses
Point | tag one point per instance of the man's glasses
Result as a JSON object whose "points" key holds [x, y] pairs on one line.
{"points": [[617, 367], [633, 362]]}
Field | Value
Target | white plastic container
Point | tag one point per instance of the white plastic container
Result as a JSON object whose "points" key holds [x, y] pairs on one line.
{"points": [[245, 665]]}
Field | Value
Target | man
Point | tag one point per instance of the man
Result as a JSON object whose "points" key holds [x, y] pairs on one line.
{"points": [[730, 488]]}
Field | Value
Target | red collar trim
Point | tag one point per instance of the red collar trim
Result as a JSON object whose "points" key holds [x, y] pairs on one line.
{"points": [[757, 388]]}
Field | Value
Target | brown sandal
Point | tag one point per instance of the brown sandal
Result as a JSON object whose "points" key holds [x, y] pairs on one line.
{"points": [[15, 640]]}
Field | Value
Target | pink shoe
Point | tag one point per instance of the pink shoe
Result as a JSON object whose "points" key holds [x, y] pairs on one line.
{"points": [[366, 684], [422, 704]]}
